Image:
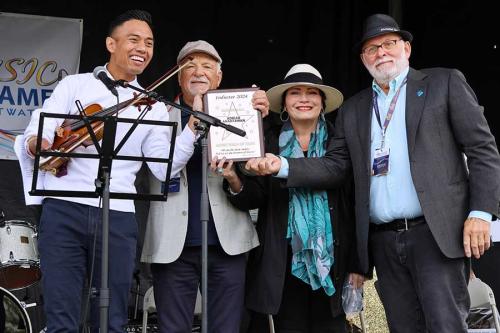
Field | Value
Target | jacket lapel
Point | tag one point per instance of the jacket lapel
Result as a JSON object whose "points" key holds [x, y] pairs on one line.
{"points": [[416, 92], [364, 121]]}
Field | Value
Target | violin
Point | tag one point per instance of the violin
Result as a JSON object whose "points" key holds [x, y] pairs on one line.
{"points": [[74, 133]]}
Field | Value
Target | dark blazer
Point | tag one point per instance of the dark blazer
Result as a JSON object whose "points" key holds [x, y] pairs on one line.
{"points": [[267, 262], [443, 122]]}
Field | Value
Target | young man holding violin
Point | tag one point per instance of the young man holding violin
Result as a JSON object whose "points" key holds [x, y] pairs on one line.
{"points": [[70, 226], [173, 237]]}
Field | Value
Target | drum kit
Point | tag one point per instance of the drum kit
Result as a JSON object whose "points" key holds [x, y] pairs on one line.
{"points": [[19, 269]]}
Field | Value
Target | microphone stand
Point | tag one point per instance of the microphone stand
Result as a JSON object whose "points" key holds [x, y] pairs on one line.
{"points": [[203, 117], [203, 128]]}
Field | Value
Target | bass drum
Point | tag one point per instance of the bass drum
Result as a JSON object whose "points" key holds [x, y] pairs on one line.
{"points": [[13, 315], [19, 262]]}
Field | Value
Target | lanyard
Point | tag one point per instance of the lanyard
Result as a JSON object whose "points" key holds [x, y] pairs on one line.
{"points": [[388, 117]]}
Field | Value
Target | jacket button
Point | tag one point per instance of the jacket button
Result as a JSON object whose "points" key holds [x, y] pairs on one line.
{"points": [[184, 212]]}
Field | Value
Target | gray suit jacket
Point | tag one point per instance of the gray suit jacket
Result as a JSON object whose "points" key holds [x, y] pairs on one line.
{"points": [[443, 122], [167, 221]]}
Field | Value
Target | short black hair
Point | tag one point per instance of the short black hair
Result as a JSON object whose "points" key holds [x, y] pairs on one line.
{"points": [[132, 14]]}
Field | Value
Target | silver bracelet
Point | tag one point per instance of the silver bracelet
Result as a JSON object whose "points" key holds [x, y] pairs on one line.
{"points": [[234, 193]]}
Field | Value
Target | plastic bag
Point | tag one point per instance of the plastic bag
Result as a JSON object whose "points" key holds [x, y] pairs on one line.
{"points": [[352, 299], [480, 318]]}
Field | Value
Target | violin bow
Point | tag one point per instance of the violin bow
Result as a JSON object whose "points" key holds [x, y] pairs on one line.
{"points": [[171, 72]]}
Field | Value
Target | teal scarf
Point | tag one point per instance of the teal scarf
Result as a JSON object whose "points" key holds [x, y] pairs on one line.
{"points": [[309, 226]]}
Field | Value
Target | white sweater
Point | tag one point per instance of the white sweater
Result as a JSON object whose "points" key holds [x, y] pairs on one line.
{"points": [[146, 140]]}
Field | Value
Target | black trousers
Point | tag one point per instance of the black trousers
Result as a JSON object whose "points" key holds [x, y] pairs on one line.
{"points": [[420, 288], [176, 287], [302, 310], [66, 245]]}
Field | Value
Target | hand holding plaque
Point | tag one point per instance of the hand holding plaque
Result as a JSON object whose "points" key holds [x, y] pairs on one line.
{"points": [[234, 107]]}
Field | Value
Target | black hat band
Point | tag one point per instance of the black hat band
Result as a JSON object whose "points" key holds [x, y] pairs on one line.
{"points": [[303, 77]]}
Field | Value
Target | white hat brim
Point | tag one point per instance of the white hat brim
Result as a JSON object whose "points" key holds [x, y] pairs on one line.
{"points": [[333, 101]]}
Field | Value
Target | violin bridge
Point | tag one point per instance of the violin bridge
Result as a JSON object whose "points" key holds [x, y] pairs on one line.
{"points": [[60, 131]]}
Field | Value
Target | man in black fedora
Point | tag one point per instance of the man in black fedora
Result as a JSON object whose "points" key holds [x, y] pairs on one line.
{"points": [[422, 208]]}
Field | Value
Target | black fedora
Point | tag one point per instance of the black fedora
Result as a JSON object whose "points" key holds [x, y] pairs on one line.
{"points": [[380, 24]]}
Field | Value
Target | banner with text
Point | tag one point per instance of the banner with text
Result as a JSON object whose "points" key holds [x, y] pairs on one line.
{"points": [[37, 52]]}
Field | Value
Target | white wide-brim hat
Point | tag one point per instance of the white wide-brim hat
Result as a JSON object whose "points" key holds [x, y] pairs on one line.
{"points": [[304, 75]]}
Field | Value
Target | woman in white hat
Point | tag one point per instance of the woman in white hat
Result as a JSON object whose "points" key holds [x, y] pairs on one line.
{"points": [[306, 235]]}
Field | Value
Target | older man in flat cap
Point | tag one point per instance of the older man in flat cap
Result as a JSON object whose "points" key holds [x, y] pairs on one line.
{"points": [[173, 235]]}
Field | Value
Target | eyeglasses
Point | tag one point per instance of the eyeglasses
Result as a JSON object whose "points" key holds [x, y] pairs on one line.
{"points": [[387, 45]]}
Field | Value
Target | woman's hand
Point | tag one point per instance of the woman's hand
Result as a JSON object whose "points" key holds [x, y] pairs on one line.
{"points": [[226, 169], [357, 280]]}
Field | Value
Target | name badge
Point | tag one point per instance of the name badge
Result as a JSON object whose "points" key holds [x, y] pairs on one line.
{"points": [[380, 162], [174, 185]]}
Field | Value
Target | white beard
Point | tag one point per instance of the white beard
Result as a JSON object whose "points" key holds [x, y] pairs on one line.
{"points": [[384, 75], [197, 91]]}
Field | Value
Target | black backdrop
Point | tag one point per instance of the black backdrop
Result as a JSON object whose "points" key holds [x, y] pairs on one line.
{"points": [[259, 40]]}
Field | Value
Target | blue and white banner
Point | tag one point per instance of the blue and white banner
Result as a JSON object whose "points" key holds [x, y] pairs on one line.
{"points": [[36, 53]]}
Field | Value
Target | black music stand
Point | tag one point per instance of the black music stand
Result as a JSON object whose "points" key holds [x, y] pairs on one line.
{"points": [[105, 154]]}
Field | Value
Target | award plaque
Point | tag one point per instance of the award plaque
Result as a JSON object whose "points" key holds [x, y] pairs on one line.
{"points": [[234, 107]]}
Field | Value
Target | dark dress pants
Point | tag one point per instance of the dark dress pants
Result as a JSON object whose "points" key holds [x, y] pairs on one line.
{"points": [[420, 288], [66, 243], [176, 287]]}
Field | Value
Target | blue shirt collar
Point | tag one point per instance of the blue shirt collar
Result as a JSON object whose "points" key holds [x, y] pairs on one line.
{"points": [[393, 85]]}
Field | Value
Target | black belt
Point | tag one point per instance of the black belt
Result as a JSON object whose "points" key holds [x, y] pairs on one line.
{"points": [[398, 225]]}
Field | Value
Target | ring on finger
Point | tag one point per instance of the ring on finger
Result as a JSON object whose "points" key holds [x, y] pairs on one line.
{"points": [[220, 171]]}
